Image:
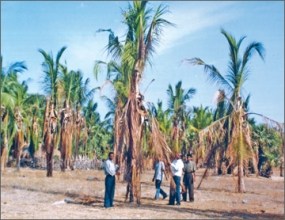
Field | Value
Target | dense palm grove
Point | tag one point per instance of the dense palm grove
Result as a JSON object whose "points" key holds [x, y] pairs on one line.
{"points": [[66, 116]]}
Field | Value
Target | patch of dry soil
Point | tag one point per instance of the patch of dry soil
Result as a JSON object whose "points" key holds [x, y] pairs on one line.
{"points": [[29, 194]]}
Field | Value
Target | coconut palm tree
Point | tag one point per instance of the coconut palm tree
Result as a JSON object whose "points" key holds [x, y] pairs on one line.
{"points": [[50, 134], [119, 78], [50, 82], [51, 69], [36, 111], [177, 105], [143, 34], [163, 118], [10, 98], [239, 140], [202, 117], [18, 104]]}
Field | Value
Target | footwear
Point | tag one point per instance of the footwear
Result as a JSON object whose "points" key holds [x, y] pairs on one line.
{"points": [[165, 196], [191, 200], [177, 204]]}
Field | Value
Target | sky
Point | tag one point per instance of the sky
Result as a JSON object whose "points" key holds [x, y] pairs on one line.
{"points": [[27, 26]]}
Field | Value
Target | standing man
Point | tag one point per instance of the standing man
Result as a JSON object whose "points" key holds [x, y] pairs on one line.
{"points": [[110, 181], [176, 169], [158, 177], [189, 178]]}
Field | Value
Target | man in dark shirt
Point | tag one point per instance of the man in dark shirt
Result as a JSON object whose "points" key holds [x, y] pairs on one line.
{"points": [[189, 178]]}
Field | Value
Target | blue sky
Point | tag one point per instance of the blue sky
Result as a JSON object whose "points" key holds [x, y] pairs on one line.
{"points": [[28, 26]]}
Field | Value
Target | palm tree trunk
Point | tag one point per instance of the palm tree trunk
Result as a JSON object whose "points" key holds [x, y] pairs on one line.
{"points": [[33, 139], [50, 138], [241, 185], [134, 142], [4, 148], [118, 137], [78, 127], [134, 123], [19, 137], [18, 144]]}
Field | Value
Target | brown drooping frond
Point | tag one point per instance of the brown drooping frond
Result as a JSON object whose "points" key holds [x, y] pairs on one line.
{"points": [[214, 135], [272, 124], [159, 144], [50, 136], [66, 135], [19, 137], [269, 122], [45, 124], [104, 84]]}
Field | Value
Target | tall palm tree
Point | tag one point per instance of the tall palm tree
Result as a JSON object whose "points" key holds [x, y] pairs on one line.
{"points": [[82, 94], [143, 34], [119, 78], [35, 111], [50, 133], [238, 138]]}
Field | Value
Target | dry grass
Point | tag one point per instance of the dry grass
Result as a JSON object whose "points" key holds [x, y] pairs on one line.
{"points": [[79, 194]]}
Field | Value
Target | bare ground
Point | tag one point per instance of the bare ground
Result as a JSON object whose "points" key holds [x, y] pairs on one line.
{"points": [[29, 194]]}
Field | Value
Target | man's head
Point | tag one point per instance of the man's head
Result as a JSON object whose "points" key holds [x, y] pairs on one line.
{"points": [[178, 156], [111, 155], [189, 157]]}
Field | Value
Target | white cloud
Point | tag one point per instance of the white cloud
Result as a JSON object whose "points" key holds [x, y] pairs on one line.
{"points": [[189, 20]]}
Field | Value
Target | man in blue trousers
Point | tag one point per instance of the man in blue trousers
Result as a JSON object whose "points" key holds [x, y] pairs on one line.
{"points": [[176, 168], [110, 171]]}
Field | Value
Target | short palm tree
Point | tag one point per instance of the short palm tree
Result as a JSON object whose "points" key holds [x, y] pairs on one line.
{"points": [[11, 96], [177, 106]]}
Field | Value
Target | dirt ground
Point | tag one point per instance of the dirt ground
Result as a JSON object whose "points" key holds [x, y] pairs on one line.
{"points": [[29, 194]]}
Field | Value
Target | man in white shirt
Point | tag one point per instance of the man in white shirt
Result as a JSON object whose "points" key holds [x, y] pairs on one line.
{"points": [[110, 171], [176, 169]]}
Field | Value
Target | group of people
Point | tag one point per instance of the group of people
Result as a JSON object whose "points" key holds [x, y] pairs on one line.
{"points": [[177, 167]]}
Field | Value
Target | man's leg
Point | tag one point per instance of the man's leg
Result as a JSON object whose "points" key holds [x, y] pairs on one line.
{"points": [[177, 191], [161, 191], [157, 186], [106, 197], [112, 191], [172, 193], [191, 192], [191, 188], [186, 184]]}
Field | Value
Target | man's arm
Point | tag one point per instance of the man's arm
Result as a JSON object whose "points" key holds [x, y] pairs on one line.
{"points": [[174, 166], [194, 173]]}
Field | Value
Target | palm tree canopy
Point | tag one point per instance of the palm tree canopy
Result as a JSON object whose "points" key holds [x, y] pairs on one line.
{"points": [[238, 71]]}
